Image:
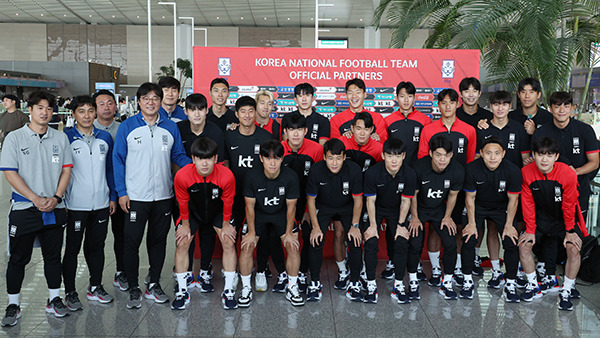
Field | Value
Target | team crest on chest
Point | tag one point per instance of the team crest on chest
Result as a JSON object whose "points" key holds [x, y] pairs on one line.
{"points": [[446, 184], [461, 145], [215, 193], [256, 149], [281, 191], [400, 188], [345, 188], [502, 186]]}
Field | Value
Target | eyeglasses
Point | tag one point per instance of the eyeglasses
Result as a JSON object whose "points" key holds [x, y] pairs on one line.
{"points": [[146, 99]]}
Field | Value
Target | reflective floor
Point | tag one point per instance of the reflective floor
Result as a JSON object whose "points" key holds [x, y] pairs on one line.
{"points": [[271, 315]]}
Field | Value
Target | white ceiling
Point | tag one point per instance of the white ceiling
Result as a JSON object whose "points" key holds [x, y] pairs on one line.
{"points": [[253, 13]]}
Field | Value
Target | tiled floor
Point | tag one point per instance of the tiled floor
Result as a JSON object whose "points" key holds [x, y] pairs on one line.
{"points": [[271, 315]]}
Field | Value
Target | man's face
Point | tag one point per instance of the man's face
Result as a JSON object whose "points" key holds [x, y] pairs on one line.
{"points": [[545, 162], [246, 115], [295, 136], [204, 166], [440, 158], [219, 94], [561, 113], [492, 155], [149, 103], [304, 101], [500, 110], [405, 100], [393, 162], [196, 115], [448, 107], [170, 95], [470, 96], [528, 96], [334, 162], [41, 113], [85, 115], [106, 107], [264, 106], [356, 97], [272, 165], [8, 103], [361, 133]]}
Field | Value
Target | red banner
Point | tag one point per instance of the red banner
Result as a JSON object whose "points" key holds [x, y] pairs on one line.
{"points": [[249, 70]]}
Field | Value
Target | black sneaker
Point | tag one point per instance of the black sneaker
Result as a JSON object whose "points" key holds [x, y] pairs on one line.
{"points": [[135, 298], [413, 290], [564, 300], [549, 284], [205, 283], [399, 294], [497, 279], [477, 269], [353, 292], [120, 281], [521, 281], [182, 299], [281, 285], [421, 276], [73, 302], [467, 290], [156, 294], [314, 293], [447, 291], [510, 293], [388, 273], [371, 296], [245, 297], [293, 295], [11, 316], [532, 291], [228, 299], [302, 282], [540, 271], [342, 282], [458, 277], [436, 277], [57, 307], [99, 294], [575, 293]]}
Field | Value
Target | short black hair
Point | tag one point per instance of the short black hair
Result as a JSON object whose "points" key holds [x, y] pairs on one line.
{"points": [[440, 141], [13, 98], [294, 121], [492, 140], [148, 87], [304, 88], [196, 100], [451, 93], [469, 81], [35, 98], [500, 96], [357, 82], [245, 101], [334, 146], [393, 146], [82, 100], [169, 82], [104, 92], [365, 117], [534, 83], [545, 145], [559, 98], [271, 148], [408, 86], [219, 80], [203, 148]]}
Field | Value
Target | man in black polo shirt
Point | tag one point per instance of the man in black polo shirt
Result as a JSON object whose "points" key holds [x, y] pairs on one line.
{"points": [[334, 189], [530, 115], [271, 193], [219, 114], [439, 180], [492, 186], [191, 129], [317, 124], [470, 111], [389, 187]]}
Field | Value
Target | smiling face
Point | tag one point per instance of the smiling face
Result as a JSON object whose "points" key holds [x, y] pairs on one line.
{"points": [[492, 155], [150, 104], [470, 96], [500, 110], [246, 115], [219, 94], [405, 101], [562, 112], [85, 115], [264, 106], [356, 97], [528, 96], [41, 113], [170, 96]]}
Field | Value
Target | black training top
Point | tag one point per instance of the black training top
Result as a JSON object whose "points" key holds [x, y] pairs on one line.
{"points": [[389, 189], [211, 131], [243, 152], [334, 191], [472, 120], [514, 139], [224, 121], [270, 194], [317, 124], [492, 186], [434, 187], [541, 117]]}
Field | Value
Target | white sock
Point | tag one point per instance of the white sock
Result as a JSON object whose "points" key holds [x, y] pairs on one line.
{"points": [[247, 281], [14, 299], [532, 278], [372, 282], [412, 276], [341, 266], [447, 278], [508, 281], [469, 277], [568, 284], [434, 257], [229, 276], [458, 262], [292, 280], [476, 252], [54, 293], [181, 282], [496, 264], [398, 283], [540, 265]]}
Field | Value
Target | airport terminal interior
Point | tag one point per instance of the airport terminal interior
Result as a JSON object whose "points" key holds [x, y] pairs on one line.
{"points": [[72, 48]]}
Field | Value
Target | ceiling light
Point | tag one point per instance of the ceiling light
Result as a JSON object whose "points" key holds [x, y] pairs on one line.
{"points": [[360, 19], [265, 18], [288, 19], [113, 16], [90, 15], [138, 16], [42, 14], [242, 18], [217, 18], [17, 14], [163, 16], [335, 19]]}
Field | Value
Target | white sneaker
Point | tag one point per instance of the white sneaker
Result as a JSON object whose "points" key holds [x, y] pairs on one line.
{"points": [[261, 282]]}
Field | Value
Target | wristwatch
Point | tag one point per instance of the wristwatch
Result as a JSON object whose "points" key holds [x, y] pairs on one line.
{"points": [[58, 198], [355, 225]]}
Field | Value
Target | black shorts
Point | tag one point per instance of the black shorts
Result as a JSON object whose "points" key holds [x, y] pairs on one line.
{"points": [[276, 224], [326, 215], [496, 216], [205, 227], [541, 233], [459, 214], [27, 221]]}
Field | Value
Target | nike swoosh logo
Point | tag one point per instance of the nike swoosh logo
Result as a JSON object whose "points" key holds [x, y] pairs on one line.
{"points": [[103, 220], [167, 213], [184, 141], [234, 148], [23, 149], [380, 185], [480, 182], [393, 130], [261, 189], [535, 188], [425, 182], [486, 137], [322, 183], [76, 148], [194, 190]]}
